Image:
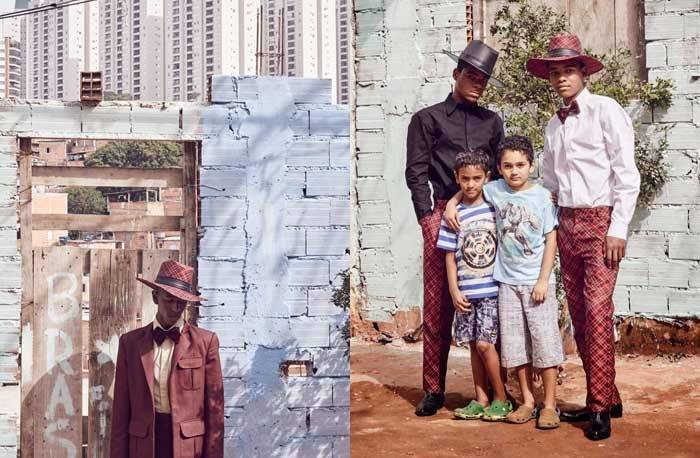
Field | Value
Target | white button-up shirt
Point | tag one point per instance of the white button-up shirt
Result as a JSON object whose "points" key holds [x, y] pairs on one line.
{"points": [[589, 160], [162, 360]]}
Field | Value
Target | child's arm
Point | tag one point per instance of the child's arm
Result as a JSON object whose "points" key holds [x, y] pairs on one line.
{"points": [[450, 214], [458, 300], [539, 292]]}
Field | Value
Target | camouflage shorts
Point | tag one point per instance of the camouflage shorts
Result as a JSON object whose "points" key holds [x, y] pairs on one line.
{"points": [[480, 323]]}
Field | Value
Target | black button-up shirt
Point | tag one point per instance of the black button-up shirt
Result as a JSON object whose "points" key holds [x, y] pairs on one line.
{"points": [[436, 135]]}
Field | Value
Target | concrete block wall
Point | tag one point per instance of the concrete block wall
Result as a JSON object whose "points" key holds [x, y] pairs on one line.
{"points": [[275, 215], [400, 69]]}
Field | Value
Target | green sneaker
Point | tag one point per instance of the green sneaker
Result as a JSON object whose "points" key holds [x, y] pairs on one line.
{"points": [[473, 411], [497, 411]]}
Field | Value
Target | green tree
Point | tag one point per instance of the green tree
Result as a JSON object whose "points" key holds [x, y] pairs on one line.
{"points": [[86, 201], [144, 154]]}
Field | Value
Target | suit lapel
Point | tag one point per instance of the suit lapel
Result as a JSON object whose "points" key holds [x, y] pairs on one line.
{"points": [[146, 351]]}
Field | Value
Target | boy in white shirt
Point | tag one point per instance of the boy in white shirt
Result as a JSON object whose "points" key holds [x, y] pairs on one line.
{"points": [[588, 162]]}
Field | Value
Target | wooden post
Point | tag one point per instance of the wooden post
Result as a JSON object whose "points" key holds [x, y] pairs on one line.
{"points": [[27, 299], [190, 201]]}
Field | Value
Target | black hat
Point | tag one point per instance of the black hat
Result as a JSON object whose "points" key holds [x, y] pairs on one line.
{"points": [[480, 56]]}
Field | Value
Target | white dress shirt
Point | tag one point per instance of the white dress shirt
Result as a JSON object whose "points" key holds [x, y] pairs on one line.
{"points": [[589, 160], [162, 360]]}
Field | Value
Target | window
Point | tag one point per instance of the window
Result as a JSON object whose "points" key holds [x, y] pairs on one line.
{"points": [[210, 68]]}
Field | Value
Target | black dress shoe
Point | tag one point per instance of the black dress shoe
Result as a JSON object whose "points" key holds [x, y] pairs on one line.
{"points": [[599, 428], [575, 416], [430, 404]]}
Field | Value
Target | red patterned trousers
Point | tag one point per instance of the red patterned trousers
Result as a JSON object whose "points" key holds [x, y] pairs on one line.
{"points": [[438, 312], [589, 286]]}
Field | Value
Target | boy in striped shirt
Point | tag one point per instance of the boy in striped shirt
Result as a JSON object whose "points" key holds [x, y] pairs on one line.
{"points": [[470, 257]]}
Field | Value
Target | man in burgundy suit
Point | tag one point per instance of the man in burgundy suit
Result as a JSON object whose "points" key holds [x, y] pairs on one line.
{"points": [[168, 392]]}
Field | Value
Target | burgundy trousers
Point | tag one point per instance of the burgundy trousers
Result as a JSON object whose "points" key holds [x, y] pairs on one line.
{"points": [[438, 311], [163, 435], [589, 286]]}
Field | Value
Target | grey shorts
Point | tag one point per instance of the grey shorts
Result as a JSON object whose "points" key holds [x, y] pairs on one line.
{"points": [[479, 323], [529, 331]]}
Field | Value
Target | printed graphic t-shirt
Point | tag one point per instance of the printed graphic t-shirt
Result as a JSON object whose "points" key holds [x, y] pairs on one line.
{"points": [[523, 218], [475, 249]]}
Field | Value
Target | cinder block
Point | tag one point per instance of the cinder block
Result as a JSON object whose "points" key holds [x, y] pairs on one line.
{"points": [[433, 92], [234, 392], [299, 123], [691, 25], [262, 306], [223, 212], [329, 422], [328, 183], [246, 88], [331, 363], [222, 89], [308, 153], [633, 273], [434, 40], [320, 303], [680, 164], [310, 90], [683, 53], [682, 5], [327, 242], [654, 6], [308, 272], [371, 69], [296, 301], [335, 123], [368, 45], [669, 274], [684, 302], [302, 447], [662, 220], [646, 246], [340, 212], [695, 220], [369, 22], [371, 164], [9, 339], [59, 118], [337, 267], [8, 217], [684, 246], [212, 119], [112, 119], [308, 212], [696, 112], [695, 277], [448, 15], [223, 243], [370, 142], [684, 82], [341, 392], [10, 298], [340, 152], [220, 274], [621, 299], [649, 300], [309, 332], [11, 277], [680, 111], [375, 237], [371, 189], [8, 242], [376, 261], [15, 117], [341, 446], [369, 117], [9, 148], [678, 192], [224, 150], [153, 120], [222, 303], [231, 333], [295, 184], [369, 94], [374, 213], [296, 242], [381, 285], [264, 329], [664, 27], [656, 54], [222, 182], [361, 5]]}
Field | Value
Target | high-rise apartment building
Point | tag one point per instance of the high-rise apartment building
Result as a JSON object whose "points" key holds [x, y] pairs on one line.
{"points": [[59, 44], [10, 68], [344, 43]]}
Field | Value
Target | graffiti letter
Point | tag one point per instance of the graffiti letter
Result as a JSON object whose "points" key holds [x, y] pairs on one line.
{"points": [[60, 395], [63, 357], [68, 307]]}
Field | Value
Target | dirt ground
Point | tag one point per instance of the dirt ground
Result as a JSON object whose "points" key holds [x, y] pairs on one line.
{"points": [[661, 397]]}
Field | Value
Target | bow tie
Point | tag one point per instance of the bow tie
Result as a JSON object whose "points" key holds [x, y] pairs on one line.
{"points": [[564, 112], [159, 334]]}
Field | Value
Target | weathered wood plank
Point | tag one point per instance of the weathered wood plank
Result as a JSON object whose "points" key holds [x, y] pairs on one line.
{"points": [[27, 298], [190, 219], [114, 306], [152, 259], [108, 176], [57, 342], [105, 223]]}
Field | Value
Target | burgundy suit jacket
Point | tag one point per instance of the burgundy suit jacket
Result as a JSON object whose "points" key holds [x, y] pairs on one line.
{"points": [[196, 394]]}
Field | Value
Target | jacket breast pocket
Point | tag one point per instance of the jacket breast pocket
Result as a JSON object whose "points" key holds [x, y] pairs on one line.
{"points": [[190, 373]]}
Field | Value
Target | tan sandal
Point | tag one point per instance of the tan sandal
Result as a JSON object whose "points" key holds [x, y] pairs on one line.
{"points": [[548, 419], [522, 415]]}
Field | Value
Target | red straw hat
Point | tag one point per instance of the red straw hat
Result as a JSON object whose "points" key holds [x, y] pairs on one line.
{"points": [[176, 279], [562, 48]]}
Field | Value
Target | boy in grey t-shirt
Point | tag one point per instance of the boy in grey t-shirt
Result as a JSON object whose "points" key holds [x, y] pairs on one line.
{"points": [[527, 306]]}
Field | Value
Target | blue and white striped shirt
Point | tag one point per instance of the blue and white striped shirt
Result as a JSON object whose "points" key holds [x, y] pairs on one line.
{"points": [[475, 249]]}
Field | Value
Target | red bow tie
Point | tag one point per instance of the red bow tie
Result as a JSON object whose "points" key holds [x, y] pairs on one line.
{"points": [[159, 334], [564, 112]]}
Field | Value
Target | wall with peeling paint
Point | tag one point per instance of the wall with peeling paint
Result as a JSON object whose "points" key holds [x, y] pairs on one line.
{"points": [[400, 69], [274, 185]]}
